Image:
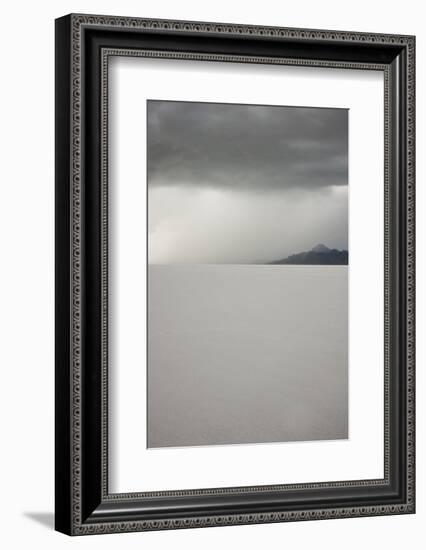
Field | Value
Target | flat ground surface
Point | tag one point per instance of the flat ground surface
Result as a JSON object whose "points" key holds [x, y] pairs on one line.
{"points": [[247, 354]]}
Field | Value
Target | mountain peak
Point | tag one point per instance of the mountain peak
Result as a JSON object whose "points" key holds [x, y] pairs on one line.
{"points": [[320, 248], [319, 255]]}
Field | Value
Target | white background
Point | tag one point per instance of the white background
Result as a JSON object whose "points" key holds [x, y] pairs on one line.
{"points": [[361, 455], [26, 218]]}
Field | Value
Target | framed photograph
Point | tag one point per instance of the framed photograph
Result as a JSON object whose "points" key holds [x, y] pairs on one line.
{"points": [[234, 274]]}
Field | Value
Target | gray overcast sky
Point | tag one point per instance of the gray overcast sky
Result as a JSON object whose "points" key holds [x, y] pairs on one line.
{"points": [[244, 183]]}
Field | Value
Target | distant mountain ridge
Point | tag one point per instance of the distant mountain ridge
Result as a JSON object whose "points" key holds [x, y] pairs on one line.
{"points": [[319, 255]]}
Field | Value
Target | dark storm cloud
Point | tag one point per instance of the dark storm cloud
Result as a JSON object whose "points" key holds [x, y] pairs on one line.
{"points": [[246, 147]]}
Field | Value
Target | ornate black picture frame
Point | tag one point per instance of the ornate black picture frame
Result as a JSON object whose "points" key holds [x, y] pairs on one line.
{"points": [[83, 503]]}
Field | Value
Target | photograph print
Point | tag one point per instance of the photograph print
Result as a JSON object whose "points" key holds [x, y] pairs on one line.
{"points": [[247, 274]]}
